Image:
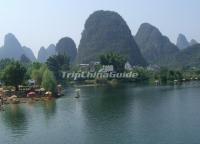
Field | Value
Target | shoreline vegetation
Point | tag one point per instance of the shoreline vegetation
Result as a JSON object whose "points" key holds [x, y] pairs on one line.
{"points": [[24, 81]]}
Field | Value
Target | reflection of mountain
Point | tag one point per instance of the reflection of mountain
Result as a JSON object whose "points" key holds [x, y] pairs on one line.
{"points": [[106, 112], [109, 102], [15, 118]]}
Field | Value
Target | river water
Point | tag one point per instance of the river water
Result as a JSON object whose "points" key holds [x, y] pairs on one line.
{"points": [[125, 114]]}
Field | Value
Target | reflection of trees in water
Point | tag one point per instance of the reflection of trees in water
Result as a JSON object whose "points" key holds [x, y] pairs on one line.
{"points": [[49, 108], [106, 111], [108, 102], [15, 119]]}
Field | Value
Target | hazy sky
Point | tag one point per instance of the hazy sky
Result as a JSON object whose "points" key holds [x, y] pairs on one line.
{"points": [[39, 23]]}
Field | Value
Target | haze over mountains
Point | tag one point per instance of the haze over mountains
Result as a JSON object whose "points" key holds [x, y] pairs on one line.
{"points": [[13, 49], [44, 53], [183, 43], [107, 31]]}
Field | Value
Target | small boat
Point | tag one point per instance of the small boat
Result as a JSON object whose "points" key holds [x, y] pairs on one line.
{"points": [[77, 93], [59, 91]]}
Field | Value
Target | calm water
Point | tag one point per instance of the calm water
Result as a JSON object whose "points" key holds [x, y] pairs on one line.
{"points": [[108, 115]]}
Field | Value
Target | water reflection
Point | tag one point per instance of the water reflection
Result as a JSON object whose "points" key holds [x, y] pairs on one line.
{"points": [[49, 109], [106, 112], [120, 114], [16, 119]]}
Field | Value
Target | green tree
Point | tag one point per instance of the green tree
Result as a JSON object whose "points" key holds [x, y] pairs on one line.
{"points": [[57, 64], [49, 81], [114, 59], [5, 62], [171, 76], [164, 75], [37, 73], [179, 75], [14, 74], [25, 60]]}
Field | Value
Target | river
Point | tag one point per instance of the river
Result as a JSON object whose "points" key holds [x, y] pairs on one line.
{"points": [[125, 114]]}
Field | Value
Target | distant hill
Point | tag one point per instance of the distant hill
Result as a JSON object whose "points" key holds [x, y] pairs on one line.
{"points": [[182, 42], [189, 57], [104, 32], [44, 54], [51, 50], [29, 53], [193, 42], [13, 49], [155, 47], [67, 46]]}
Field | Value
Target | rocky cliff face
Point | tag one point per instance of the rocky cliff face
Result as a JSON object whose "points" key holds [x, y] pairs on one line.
{"points": [[12, 48], [104, 32], [68, 47], [29, 53], [182, 42], [155, 47]]}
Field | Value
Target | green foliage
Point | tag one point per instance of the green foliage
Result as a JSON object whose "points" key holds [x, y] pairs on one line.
{"points": [[163, 75], [25, 60], [188, 58], [143, 74], [168, 76], [49, 81], [57, 64], [114, 59], [37, 73], [5, 62], [14, 74]]}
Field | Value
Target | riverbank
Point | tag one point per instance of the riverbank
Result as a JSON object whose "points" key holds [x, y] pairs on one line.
{"points": [[21, 100], [114, 82]]}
